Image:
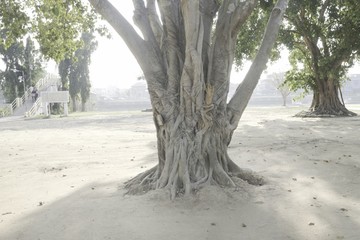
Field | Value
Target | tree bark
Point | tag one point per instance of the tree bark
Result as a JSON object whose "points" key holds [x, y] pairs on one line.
{"points": [[326, 101], [188, 76]]}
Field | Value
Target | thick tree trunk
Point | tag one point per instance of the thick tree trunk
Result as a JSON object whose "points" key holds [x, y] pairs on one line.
{"points": [[83, 106], [188, 77], [192, 159], [284, 100], [326, 102], [74, 105]]}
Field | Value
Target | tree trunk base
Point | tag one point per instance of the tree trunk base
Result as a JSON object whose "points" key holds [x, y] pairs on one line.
{"points": [[148, 180], [325, 113]]}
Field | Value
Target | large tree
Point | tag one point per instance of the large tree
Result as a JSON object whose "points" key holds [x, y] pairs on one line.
{"points": [[74, 72], [33, 63], [11, 78], [324, 39], [186, 57], [23, 67]]}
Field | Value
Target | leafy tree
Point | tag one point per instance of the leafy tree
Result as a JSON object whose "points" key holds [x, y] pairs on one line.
{"points": [[84, 59], [75, 72], [56, 25], [33, 63], [324, 40], [11, 78], [278, 81], [186, 58], [13, 22], [64, 72], [23, 67]]}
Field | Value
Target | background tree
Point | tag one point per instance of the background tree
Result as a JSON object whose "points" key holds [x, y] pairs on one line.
{"points": [[278, 81], [33, 63], [56, 25], [84, 59], [75, 72], [64, 72], [324, 40], [23, 67], [13, 22], [11, 78]]}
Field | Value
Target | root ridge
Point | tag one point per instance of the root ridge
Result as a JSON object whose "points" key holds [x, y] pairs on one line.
{"points": [[146, 181]]}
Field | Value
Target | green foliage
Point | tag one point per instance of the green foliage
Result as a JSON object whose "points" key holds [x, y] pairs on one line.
{"points": [[21, 64], [75, 72], [33, 63], [56, 24], [59, 24], [251, 34], [13, 21], [323, 37], [11, 77]]}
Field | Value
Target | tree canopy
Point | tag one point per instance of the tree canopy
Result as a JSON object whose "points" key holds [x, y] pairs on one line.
{"points": [[23, 67], [74, 73], [324, 40], [56, 25]]}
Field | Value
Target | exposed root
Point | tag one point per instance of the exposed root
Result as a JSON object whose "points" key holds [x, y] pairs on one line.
{"points": [[247, 175], [143, 182], [325, 114], [147, 181]]}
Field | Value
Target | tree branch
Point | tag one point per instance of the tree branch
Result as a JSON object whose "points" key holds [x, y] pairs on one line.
{"points": [[232, 15], [172, 45], [208, 9], [135, 43], [145, 52], [324, 6], [192, 74], [239, 101], [154, 20]]}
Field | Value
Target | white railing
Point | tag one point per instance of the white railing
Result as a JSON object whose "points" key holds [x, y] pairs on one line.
{"points": [[48, 80], [34, 109], [14, 104]]}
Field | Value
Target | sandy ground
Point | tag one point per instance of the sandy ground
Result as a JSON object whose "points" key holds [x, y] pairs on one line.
{"points": [[61, 179]]}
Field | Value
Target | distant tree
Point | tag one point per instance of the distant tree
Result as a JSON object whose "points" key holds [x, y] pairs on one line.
{"points": [[278, 81], [74, 72], [33, 63], [11, 78], [84, 59], [324, 39], [23, 67], [56, 25], [64, 72], [13, 22], [74, 84]]}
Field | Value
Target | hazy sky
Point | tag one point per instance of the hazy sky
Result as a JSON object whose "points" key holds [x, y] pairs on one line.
{"points": [[113, 65]]}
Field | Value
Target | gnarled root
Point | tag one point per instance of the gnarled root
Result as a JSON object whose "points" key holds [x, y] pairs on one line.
{"points": [[325, 113], [143, 182], [148, 180]]}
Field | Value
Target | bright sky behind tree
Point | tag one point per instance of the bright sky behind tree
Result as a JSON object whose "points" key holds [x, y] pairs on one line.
{"points": [[113, 65]]}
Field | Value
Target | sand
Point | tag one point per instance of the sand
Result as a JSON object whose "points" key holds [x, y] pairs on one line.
{"points": [[62, 178]]}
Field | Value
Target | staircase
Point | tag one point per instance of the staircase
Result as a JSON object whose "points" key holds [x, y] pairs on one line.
{"points": [[25, 106]]}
